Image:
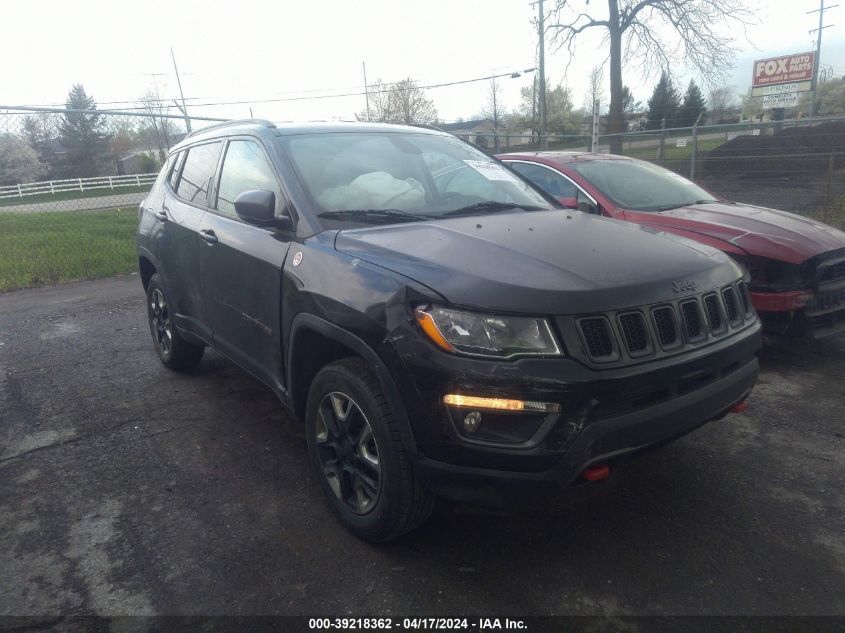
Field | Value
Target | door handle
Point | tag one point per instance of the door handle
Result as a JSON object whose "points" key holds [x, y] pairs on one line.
{"points": [[208, 236]]}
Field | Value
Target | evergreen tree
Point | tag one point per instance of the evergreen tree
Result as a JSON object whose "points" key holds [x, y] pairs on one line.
{"points": [[693, 105], [663, 104], [85, 142]]}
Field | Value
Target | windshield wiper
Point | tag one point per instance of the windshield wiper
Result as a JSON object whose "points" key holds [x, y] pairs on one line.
{"points": [[490, 206], [669, 207], [381, 215]]}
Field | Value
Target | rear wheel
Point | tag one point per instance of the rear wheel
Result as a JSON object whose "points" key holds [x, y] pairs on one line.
{"points": [[174, 351], [354, 443]]}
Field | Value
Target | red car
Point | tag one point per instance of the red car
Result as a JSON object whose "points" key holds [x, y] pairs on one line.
{"points": [[796, 265]]}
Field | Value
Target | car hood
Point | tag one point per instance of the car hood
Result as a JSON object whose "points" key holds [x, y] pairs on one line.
{"points": [[756, 230], [542, 262]]}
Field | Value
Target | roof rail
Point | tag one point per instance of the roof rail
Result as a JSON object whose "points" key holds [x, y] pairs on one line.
{"points": [[263, 122]]}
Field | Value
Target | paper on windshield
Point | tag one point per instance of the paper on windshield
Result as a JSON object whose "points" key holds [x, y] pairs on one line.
{"points": [[491, 171]]}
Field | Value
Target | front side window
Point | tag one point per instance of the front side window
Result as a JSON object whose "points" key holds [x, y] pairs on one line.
{"points": [[384, 177], [547, 179], [641, 186], [245, 167], [200, 164]]}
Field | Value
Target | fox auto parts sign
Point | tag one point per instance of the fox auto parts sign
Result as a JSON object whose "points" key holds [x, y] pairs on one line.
{"points": [[783, 70]]}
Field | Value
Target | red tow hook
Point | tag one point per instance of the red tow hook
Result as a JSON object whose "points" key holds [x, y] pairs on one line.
{"points": [[740, 407], [596, 472]]}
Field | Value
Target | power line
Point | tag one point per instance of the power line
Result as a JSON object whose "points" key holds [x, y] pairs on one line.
{"points": [[302, 97]]}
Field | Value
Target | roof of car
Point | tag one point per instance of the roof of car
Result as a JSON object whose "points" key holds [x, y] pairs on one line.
{"points": [[560, 157], [229, 128]]}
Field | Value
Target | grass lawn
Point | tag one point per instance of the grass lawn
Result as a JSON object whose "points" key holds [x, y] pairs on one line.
{"points": [[53, 247], [72, 195]]}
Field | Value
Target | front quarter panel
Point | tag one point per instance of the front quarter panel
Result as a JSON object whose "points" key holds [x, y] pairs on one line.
{"points": [[361, 298]]}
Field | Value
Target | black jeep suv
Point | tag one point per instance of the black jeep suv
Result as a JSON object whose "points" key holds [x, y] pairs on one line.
{"points": [[440, 326]]}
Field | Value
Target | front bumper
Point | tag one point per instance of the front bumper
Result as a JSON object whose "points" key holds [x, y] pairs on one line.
{"points": [[819, 313], [606, 415]]}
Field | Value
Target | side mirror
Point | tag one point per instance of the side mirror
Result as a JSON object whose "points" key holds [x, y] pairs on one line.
{"points": [[569, 203], [587, 207], [258, 206]]}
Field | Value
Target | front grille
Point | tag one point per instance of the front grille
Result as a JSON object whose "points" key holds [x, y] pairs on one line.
{"points": [[714, 315], [692, 320], [670, 327], [744, 296], [834, 271], [634, 331], [597, 337], [731, 306], [664, 323]]}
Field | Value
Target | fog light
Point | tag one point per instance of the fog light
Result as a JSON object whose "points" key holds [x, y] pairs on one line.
{"points": [[501, 404], [472, 421]]}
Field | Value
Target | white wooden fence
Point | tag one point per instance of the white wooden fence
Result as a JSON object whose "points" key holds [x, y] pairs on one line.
{"points": [[48, 187]]}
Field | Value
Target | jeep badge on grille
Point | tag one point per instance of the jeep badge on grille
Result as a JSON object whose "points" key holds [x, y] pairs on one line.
{"points": [[683, 286]]}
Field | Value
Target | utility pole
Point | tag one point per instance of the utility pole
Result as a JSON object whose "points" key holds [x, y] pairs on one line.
{"points": [[493, 90], [366, 90], [544, 141], [184, 108], [534, 125], [817, 59]]}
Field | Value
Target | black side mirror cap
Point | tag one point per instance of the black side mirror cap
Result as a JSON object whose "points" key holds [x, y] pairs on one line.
{"points": [[258, 206], [587, 207]]}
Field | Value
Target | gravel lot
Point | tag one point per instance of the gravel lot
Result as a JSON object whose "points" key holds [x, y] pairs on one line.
{"points": [[127, 489]]}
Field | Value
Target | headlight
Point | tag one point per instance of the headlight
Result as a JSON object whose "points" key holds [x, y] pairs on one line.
{"points": [[486, 335]]}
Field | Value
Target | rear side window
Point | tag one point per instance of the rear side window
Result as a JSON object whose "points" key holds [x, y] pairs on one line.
{"points": [[197, 173], [549, 181], [175, 165], [245, 167]]}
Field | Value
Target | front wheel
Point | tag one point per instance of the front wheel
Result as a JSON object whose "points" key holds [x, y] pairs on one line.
{"points": [[354, 444], [175, 352]]}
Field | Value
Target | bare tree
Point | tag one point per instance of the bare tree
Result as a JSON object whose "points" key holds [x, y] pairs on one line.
{"points": [[162, 129], [752, 107], [380, 103], [595, 90], [722, 99], [403, 102], [494, 110], [634, 30], [412, 105]]}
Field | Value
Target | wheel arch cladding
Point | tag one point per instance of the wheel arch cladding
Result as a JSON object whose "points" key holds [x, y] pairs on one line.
{"points": [[147, 269], [315, 342]]}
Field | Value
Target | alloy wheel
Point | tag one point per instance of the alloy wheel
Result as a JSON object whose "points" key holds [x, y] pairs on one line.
{"points": [[160, 320], [348, 453]]}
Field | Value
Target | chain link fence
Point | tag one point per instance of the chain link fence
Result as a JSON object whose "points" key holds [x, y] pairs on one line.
{"points": [[71, 180], [70, 185]]}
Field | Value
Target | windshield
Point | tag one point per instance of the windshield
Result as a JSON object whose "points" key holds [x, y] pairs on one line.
{"points": [[386, 177], [641, 186]]}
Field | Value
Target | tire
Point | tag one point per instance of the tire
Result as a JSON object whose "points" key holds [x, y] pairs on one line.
{"points": [[174, 351], [376, 499]]}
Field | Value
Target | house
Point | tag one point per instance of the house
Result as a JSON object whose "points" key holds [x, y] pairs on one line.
{"points": [[482, 132]]}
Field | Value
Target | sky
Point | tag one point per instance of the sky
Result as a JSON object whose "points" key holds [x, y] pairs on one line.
{"points": [[254, 51]]}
